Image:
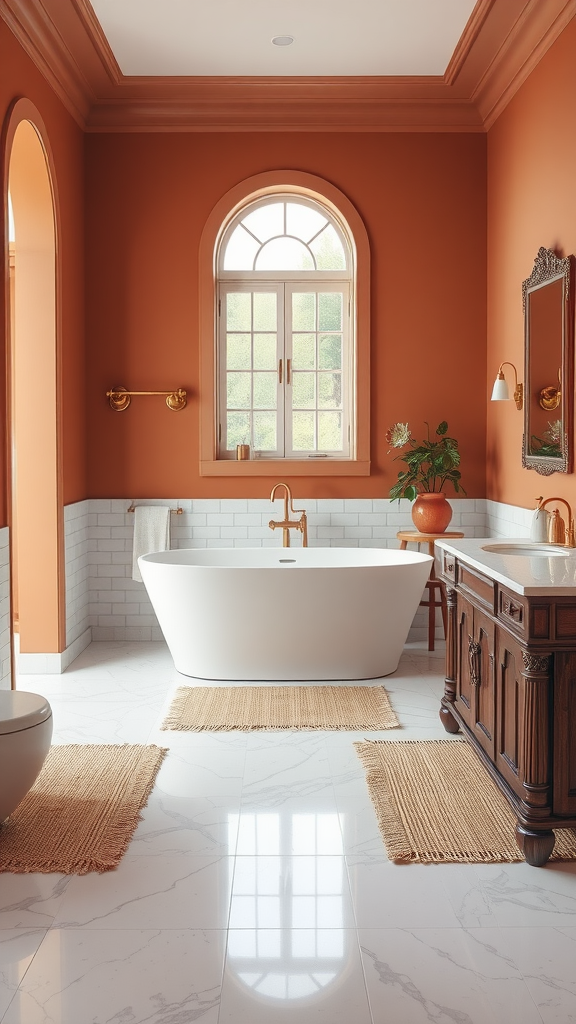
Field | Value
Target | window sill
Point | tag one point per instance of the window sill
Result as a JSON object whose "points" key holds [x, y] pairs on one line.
{"points": [[285, 467]]}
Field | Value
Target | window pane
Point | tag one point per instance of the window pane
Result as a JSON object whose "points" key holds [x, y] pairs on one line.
{"points": [[238, 351], [302, 221], [303, 351], [304, 311], [266, 222], [265, 311], [328, 250], [330, 390], [329, 431], [238, 311], [241, 250], [265, 390], [238, 390], [330, 311], [330, 352], [265, 431], [238, 429], [264, 351], [284, 254], [303, 431], [303, 391]]}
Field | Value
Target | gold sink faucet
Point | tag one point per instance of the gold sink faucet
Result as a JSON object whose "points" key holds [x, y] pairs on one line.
{"points": [[559, 532], [288, 524]]}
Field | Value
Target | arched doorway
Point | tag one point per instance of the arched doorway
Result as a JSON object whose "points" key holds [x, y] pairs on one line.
{"points": [[34, 504]]}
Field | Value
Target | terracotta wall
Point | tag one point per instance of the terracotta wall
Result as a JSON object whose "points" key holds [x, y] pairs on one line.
{"points": [[422, 198], [531, 203], [20, 78]]}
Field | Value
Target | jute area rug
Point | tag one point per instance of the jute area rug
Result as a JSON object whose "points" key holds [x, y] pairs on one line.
{"points": [[436, 803], [82, 811], [227, 708]]}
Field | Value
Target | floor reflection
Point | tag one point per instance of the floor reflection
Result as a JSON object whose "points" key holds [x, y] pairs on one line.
{"points": [[287, 935]]}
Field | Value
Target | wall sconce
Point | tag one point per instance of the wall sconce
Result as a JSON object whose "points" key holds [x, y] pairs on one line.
{"points": [[500, 392], [551, 397]]}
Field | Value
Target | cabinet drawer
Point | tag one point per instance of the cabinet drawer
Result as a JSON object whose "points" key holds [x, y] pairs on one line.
{"points": [[480, 586], [449, 566], [513, 610]]}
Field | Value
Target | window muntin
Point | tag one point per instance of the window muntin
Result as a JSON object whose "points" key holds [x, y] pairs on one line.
{"points": [[285, 346]]}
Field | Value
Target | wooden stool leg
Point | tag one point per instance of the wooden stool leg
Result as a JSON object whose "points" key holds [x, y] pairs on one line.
{"points": [[431, 618]]}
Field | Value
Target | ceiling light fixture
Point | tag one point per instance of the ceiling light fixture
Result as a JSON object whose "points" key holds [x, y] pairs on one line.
{"points": [[283, 40]]}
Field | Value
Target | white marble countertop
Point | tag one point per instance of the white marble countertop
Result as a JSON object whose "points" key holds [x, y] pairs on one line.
{"points": [[532, 575]]}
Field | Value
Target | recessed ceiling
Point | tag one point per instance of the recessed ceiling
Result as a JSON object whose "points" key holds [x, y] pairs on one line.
{"points": [[331, 37]]}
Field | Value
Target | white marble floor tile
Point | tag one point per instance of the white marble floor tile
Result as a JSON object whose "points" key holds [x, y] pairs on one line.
{"points": [[298, 891], [197, 770], [516, 895], [444, 975], [31, 900], [141, 977], [17, 950], [280, 976], [150, 892], [187, 825], [546, 959], [388, 895]]}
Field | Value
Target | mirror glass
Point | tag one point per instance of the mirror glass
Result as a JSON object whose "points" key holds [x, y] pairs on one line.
{"points": [[547, 298]]}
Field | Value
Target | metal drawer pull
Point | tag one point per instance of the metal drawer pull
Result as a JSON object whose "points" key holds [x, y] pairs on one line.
{"points": [[474, 661]]}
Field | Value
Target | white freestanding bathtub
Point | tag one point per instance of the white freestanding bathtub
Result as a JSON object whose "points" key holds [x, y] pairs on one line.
{"points": [[285, 613]]}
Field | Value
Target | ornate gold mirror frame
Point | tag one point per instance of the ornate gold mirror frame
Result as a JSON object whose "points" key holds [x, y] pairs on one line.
{"points": [[548, 306]]}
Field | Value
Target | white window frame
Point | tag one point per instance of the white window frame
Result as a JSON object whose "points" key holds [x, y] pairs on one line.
{"points": [[285, 283]]}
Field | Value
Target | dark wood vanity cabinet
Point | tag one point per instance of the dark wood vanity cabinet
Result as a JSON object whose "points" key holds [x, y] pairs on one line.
{"points": [[511, 688]]}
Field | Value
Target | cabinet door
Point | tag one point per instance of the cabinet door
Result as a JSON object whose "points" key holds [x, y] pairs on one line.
{"points": [[464, 638], [509, 710], [482, 680], [565, 733]]}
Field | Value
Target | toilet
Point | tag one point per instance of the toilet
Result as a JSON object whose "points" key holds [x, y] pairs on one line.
{"points": [[25, 734]]}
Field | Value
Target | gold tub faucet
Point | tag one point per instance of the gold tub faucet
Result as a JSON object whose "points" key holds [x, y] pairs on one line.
{"points": [[288, 524], [560, 533]]}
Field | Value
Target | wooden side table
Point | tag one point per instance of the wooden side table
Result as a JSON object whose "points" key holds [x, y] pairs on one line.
{"points": [[434, 587]]}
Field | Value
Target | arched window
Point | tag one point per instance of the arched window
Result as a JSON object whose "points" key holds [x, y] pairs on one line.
{"points": [[289, 363], [285, 272]]}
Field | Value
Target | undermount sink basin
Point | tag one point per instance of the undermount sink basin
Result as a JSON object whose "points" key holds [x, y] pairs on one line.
{"points": [[525, 548]]}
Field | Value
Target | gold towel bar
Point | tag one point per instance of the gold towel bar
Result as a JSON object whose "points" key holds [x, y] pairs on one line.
{"points": [[120, 398], [175, 511]]}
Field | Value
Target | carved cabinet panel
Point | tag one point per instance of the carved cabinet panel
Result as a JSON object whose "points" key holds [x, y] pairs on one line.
{"points": [[475, 675], [509, 710]]}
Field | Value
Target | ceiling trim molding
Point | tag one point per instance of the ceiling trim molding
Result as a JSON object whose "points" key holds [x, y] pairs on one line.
{"points": [[231, 114], [501, 44], [467, 40], [531, 37], [38, 35], [99, 41]]}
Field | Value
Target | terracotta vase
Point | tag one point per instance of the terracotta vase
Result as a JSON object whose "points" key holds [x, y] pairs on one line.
{"points": [[431, 513]]}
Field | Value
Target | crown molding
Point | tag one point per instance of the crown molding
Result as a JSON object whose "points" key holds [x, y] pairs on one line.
{"points": [[501, 44], [467, 40], [326, 104], [39, 37], [531, 36]]}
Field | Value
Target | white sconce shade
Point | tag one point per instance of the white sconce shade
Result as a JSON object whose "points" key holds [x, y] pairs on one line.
{"points": [[500, 392]]}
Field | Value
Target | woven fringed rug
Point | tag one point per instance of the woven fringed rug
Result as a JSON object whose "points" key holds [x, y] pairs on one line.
{"points": [[82, 811], [436, 803], [227, 708]]}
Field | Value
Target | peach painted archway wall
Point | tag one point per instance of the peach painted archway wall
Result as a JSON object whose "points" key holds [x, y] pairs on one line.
{"points": [[35, 504]]}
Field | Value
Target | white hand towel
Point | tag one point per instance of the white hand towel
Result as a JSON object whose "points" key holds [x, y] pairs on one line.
{"points": [[151, 533]]}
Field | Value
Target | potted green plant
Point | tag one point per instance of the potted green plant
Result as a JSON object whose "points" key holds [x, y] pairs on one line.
{"points": [[431, 465]]}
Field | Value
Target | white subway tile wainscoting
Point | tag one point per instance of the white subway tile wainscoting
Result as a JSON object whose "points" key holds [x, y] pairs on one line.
{"points": [[104, 603]]}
